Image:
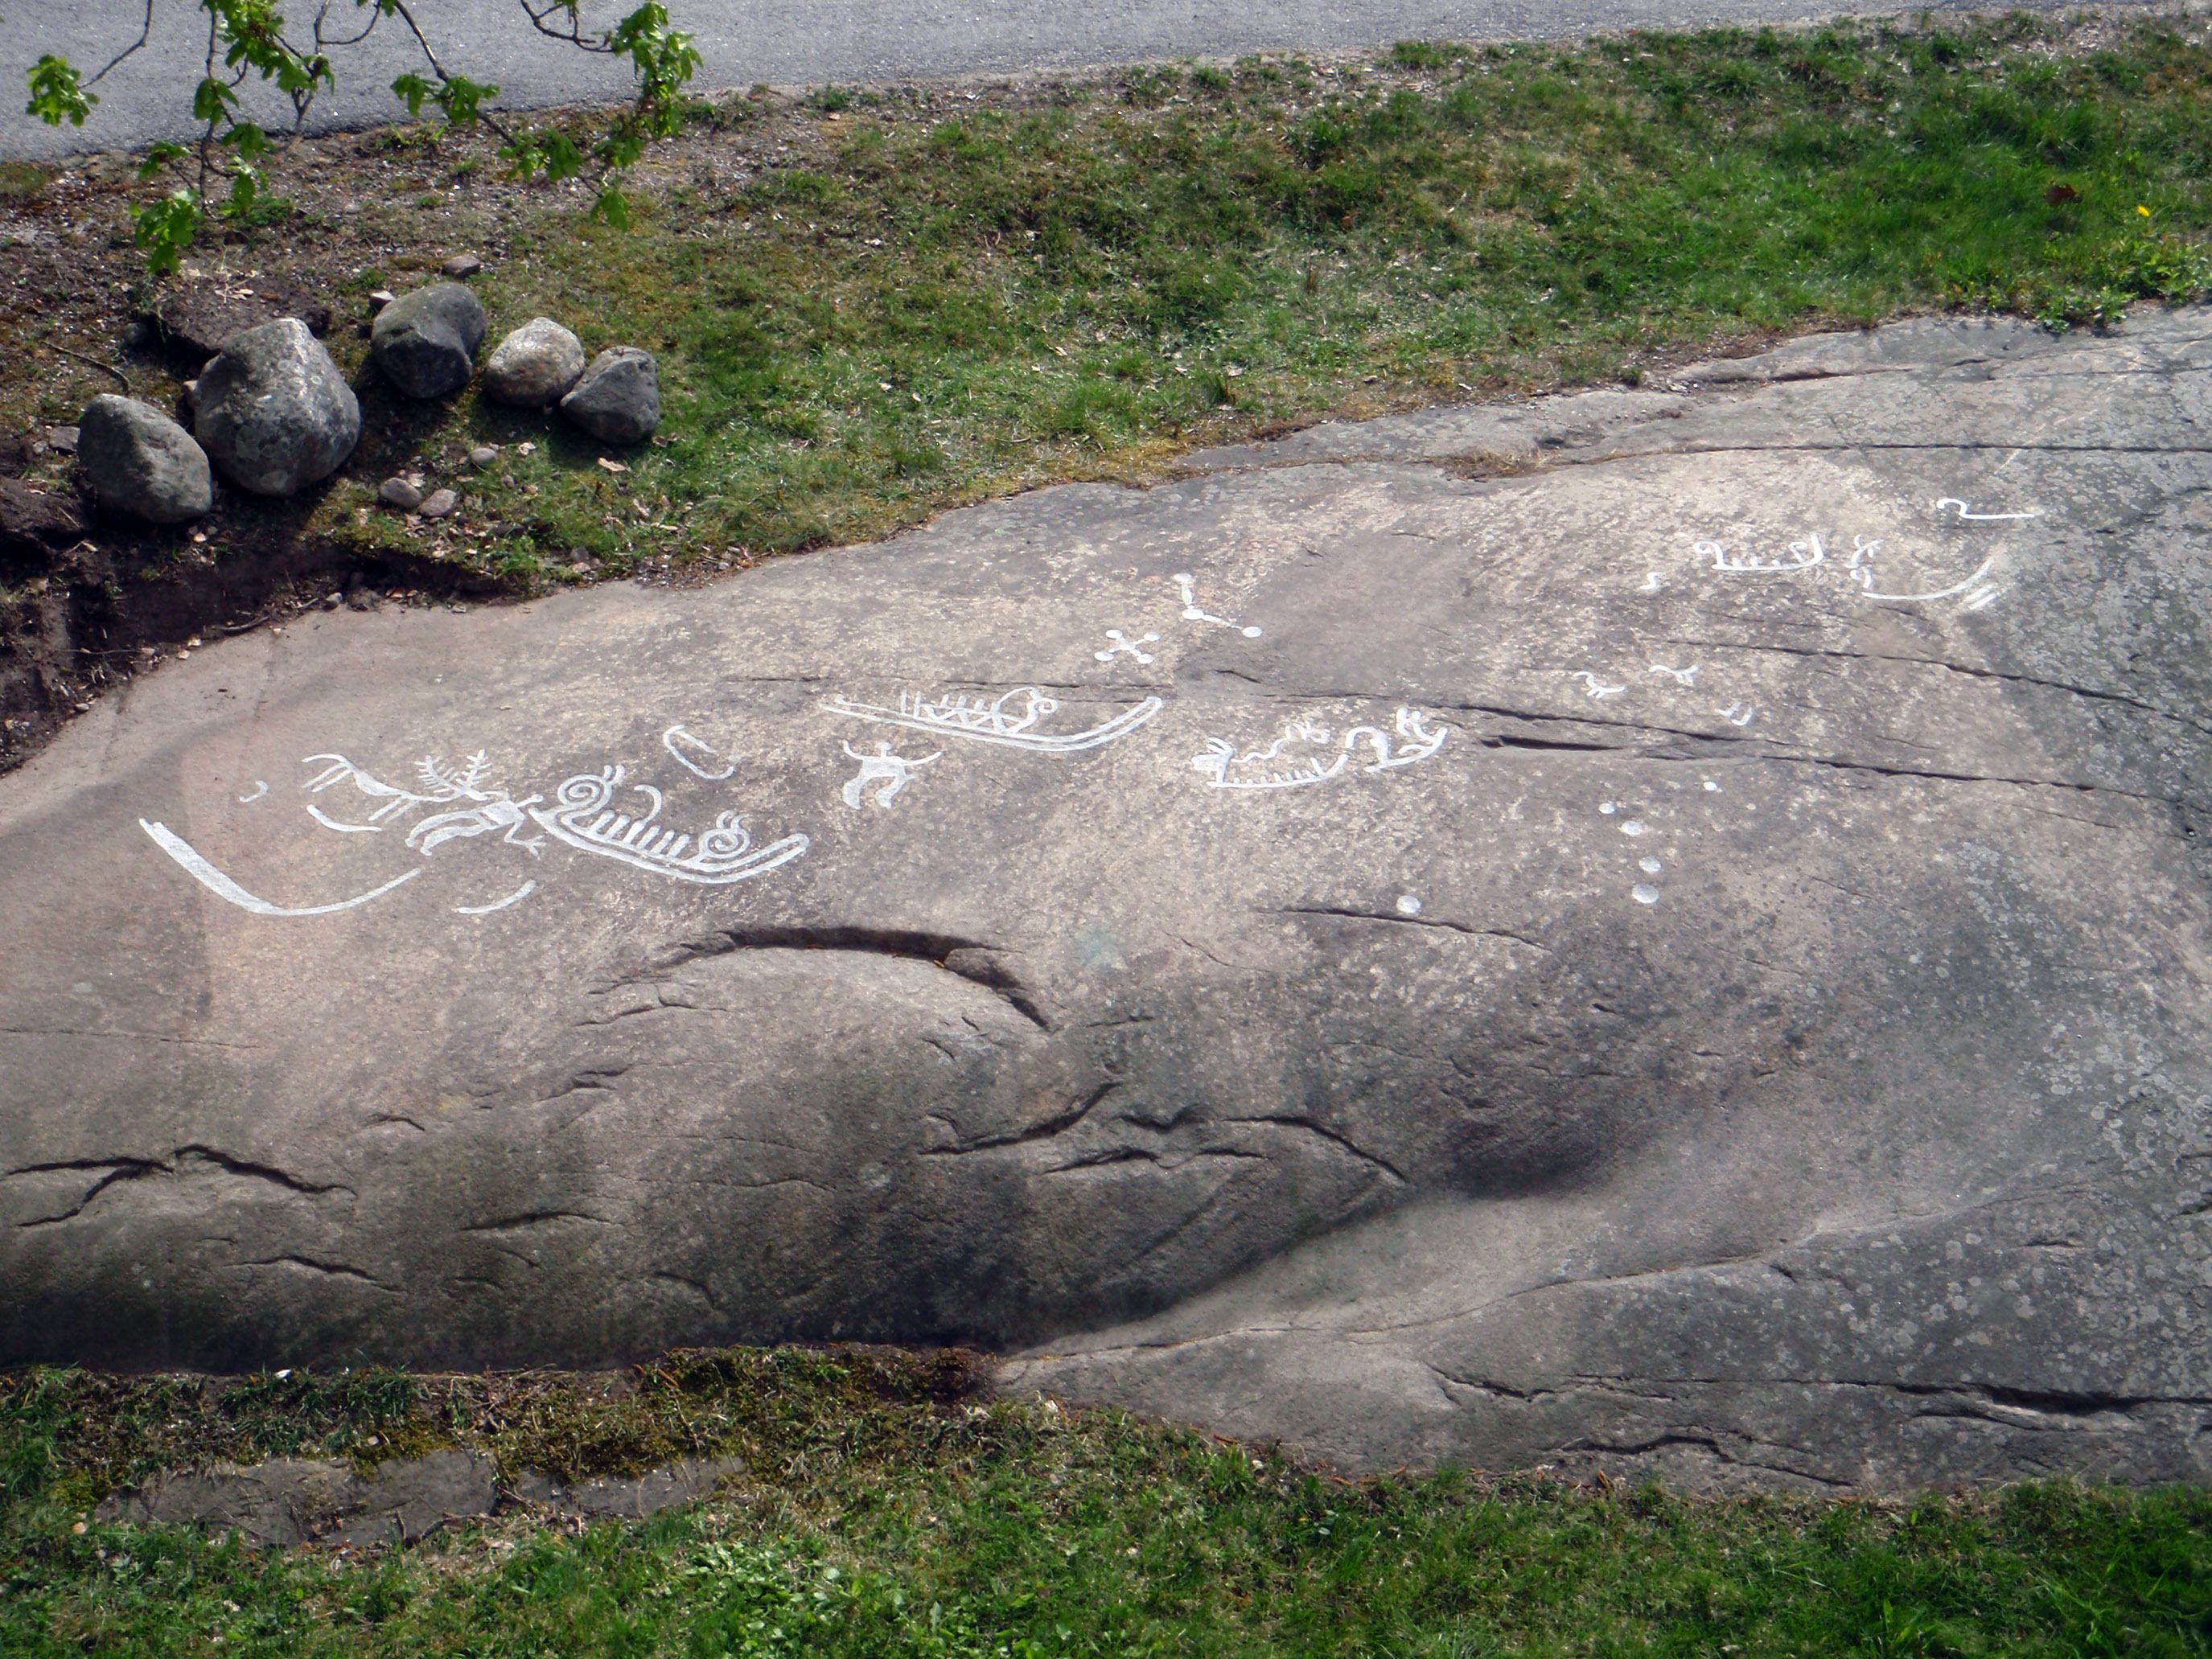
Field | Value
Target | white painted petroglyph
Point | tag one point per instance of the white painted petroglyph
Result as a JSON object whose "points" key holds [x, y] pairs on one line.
{"points": [[1123, 642], [1607, 808], [1414, 741], [1804, 557], [1866, 578], [1711, 788], [330, 823], [1010, 720], [1682, 676], [489, 809], [1738, 713], [1645, 893], [1408, 905], [1968, 515], [260, 788], [515, 897], [1188, 583], [892, 772], [1593, 686], [683, 744], [1650, 866], [397, 802], [223, 887], [1633, 826], [1270, 768], [1276, 768], [583, 815], [1651, 583]]}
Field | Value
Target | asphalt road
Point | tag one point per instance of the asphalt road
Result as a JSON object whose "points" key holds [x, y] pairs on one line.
{"points": [[783, 42]]}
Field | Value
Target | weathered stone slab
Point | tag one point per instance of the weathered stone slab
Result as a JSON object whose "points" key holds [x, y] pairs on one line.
{"points": [[290, 1500], [1690, 957], [629, 1498]]}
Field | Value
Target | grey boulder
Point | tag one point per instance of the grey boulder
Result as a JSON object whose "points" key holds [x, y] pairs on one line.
{"points": [[535, 366], [1687, 957], [425, 341], [139, 462], [618, 399], [271, 410]]}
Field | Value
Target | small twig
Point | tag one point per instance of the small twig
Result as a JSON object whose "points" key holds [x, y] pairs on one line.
{"points": [[94, 362], [145, 30]]}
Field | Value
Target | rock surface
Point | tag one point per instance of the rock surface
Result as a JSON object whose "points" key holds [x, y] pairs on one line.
{"points": [[1688, 958], [630, 1497], [425, 341], [140, 462], [290, 1500], [618, 399], [272, 411], [535, 366]]}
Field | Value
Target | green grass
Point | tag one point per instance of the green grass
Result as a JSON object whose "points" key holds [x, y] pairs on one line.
{"points": [[889, 1510], [911, 312], [873, 305]]}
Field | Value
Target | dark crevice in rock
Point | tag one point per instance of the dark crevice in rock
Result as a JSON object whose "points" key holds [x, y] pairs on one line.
{"points": [[269, 1173], [1335, 1137], [1973, 777], [969, 959], [1059, 1123], [119, 1171], [114, 1170], [2119, 697], [333, 1270], [1511, 740], [1400, 921], [534, 1219]]}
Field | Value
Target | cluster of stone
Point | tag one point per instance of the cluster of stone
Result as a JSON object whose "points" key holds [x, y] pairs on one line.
{"points": [[272, 413], [425, 343], [269, 410]]}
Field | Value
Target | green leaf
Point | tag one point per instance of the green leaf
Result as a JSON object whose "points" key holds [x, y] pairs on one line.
{"points": [[160, 156], [56, 97], [245, 189], [612, 207], [210, 98], [164, 229], [250, 141], [459, 97], [413, 89]]}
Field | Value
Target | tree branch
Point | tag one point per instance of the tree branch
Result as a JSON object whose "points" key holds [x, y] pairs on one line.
{"points": [[145, 30]]}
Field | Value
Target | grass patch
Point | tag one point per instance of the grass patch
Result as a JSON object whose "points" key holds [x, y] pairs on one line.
{"points": [[918, 312], [20, 180], [873, 305], [891, 1508]]}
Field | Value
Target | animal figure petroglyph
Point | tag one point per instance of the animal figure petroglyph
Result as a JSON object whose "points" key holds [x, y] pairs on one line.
{"points": [[892, 772]]}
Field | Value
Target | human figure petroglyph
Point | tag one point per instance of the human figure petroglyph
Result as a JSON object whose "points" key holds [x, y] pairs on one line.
{"points": [[1188, 584], [1122, 642]]}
